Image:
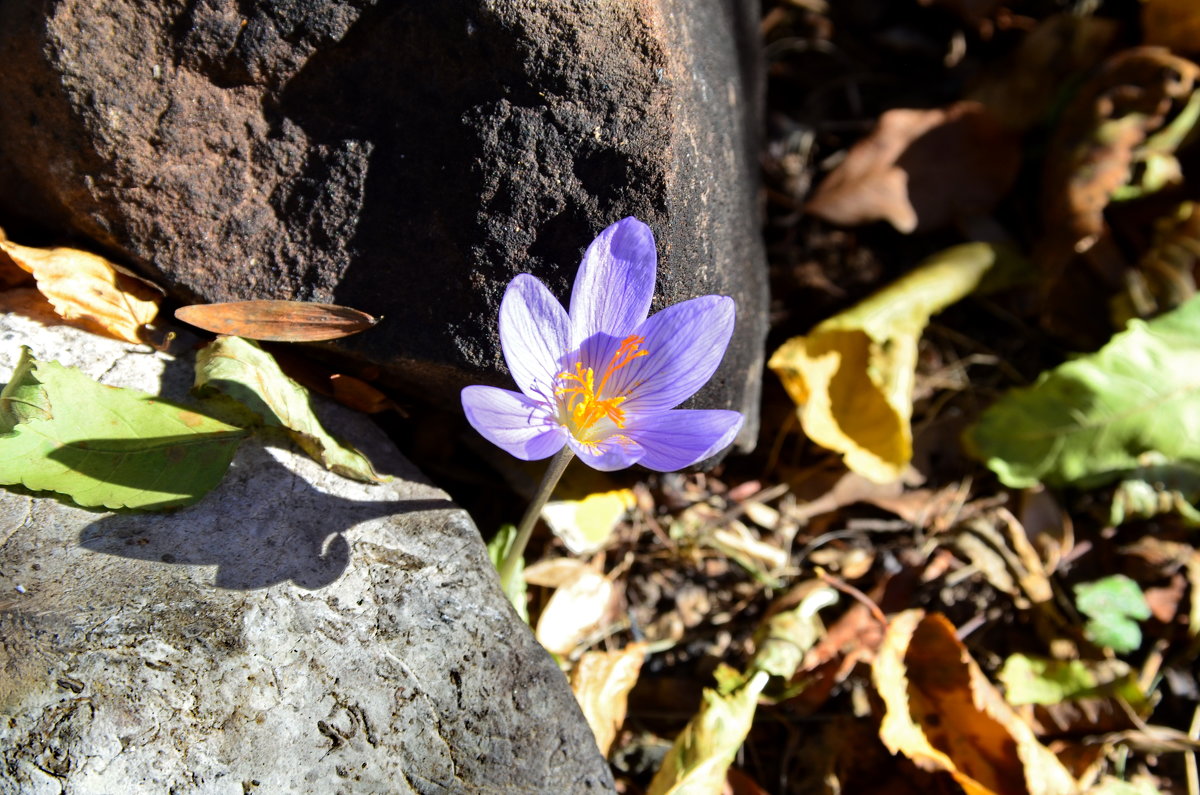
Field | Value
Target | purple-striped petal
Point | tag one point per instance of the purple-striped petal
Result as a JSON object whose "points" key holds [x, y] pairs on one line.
{"points": [[615, 281], [684, 345], [616, 452], [534, 335], [513, 422], [677, 439]]}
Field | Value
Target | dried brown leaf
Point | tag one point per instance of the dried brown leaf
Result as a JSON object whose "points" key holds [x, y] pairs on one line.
{"points": [[357, 394], [944, 714], [277, 321], [1167, 274], [1121, 123], [921, 170], [601, 681], [88, 291], [574, 612]]}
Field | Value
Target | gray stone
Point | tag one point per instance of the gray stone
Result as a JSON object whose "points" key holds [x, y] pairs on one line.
{"points": [[405, 158], [294, 631]]}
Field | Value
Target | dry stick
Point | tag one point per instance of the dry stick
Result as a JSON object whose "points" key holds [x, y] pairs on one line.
{"points": [[558, 465]]}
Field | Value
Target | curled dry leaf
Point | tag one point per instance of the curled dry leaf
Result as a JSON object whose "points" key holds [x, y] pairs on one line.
{"points": [[1167, 273], [944, 714], [1102, 132], [601, 681], [851, 377], [922, 169], [1117, 139], [88, 291], [575, 611], [277, 321]]}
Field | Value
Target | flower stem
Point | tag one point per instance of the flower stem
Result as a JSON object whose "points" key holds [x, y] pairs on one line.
{"points": [[558, 465]]}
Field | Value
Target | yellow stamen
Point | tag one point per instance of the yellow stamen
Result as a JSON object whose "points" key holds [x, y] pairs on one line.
{"points": [[584, 404]]}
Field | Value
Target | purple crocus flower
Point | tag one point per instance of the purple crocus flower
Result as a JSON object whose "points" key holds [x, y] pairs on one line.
{"points": [[605, 378]]}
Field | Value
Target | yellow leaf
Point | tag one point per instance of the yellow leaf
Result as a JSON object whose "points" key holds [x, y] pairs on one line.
{"points": [[601, 681], [944, 714], [586, 525], [699, 760], [87, 290], [851, 377]]}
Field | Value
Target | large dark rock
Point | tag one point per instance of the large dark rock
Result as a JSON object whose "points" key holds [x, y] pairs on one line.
{"points": [[406, 158], [292, 632]]}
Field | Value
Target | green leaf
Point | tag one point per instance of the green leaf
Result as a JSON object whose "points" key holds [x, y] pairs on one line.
{"points": [[23, 398], [498, 550], [238, 369], [1039, 680], [103, 446], [1101, 417], [1112, 603]]}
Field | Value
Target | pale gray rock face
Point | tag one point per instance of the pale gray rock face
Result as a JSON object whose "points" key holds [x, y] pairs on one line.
{"points": [[407, 158], [294, 631]]}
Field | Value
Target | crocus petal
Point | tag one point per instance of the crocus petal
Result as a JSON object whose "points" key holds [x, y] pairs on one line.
{"points": [[611, 454], [534, 335], [513, 422], [676, 439], [615, 281], [684, 345]]}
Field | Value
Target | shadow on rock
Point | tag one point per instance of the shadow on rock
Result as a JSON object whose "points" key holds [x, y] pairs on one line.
{"points": [[264, 525]]}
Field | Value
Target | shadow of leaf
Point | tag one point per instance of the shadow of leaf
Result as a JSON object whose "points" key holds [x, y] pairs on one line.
{"points": [[264, 525]]}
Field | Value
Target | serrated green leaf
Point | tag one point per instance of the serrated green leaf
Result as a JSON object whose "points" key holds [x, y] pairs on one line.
{"points": [[1114, 604], [110, 447], [1100, 417], [23, 397], [239, 369]]}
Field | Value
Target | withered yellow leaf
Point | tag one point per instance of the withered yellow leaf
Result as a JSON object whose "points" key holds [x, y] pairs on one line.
{"points": [[601, 682], [851, 377], [88, 291], [702, 753], [699, 759], [944, 714]]}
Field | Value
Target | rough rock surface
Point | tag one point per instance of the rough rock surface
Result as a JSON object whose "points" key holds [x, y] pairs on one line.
{"points": [[292, 632], [404, 158]]}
